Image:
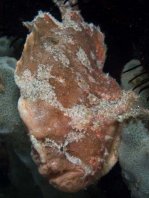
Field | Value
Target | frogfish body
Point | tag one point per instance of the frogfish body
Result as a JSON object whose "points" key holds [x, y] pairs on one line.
{"points": [[72, 110]]}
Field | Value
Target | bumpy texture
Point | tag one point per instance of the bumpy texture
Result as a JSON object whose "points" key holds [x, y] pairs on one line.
{"points": [[134, 156], [134, 147], [9, 94], [6, 62], [71, 108]]}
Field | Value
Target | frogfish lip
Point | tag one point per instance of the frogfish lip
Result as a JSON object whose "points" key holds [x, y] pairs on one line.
{"points": [[71, 181], [63, 175]]}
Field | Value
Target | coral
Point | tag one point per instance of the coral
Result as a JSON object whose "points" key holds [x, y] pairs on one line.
{"points": [[134, 147], [134, 156], [73, 111], [9, 94], [8, 61]]}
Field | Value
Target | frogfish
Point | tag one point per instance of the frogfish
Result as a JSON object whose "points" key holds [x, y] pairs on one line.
{"points": [[72, 110]]}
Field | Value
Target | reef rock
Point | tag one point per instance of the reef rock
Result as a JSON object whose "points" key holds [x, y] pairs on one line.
{"points": [[71, 108], [134, 146], [133, 156], [9, 94]]}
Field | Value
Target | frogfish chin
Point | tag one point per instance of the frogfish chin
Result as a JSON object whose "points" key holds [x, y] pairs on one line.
{"points": [[72, 110]]}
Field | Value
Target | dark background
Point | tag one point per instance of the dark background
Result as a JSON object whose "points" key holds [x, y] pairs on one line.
{"points": [[125, 24], [126, 28]]}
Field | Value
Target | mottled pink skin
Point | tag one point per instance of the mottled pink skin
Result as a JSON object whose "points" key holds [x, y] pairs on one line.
{"points": [[68, 104]]}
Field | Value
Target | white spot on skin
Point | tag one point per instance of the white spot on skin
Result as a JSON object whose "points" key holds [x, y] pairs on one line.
{"points": [[93, 100], [73, 137], [92, 55], [65, 38], [113, 109], [69, 23], [43, 72], [99, 64], [81, 82], [38, 147], [96, 125], [80, 116], [91, 79], [108, 138], [52, 144], [61, 80], [35, 87], [106, 152], [82, 57], [92, 27], [58, 54], [107, 75]]}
